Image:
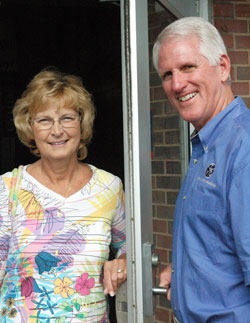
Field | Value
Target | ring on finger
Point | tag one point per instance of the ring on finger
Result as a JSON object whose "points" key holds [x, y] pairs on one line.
{"points": [[119, 270]]}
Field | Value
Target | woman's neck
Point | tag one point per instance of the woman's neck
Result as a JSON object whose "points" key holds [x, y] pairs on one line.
{"points": [[59, 171], [61, 177]]}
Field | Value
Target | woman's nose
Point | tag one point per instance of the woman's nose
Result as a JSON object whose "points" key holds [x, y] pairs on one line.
{"points": [[56, 128]]}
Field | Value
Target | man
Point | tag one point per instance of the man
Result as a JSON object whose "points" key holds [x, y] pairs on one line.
{"points": [[210, 270]]}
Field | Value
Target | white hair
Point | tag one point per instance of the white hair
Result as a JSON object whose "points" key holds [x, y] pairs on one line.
{"points": [[211, 42]]}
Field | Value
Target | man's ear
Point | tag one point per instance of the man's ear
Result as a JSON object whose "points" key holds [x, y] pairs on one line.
{"points": [[225, 66]]}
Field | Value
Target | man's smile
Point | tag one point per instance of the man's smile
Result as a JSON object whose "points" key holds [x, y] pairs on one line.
{"points": [[187, 97]]}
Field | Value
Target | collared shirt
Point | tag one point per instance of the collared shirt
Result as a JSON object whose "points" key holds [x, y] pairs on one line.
{"points": [[211, 246]]}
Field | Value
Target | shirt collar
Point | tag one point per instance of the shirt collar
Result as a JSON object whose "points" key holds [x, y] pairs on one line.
{"points": [[207, 133]]}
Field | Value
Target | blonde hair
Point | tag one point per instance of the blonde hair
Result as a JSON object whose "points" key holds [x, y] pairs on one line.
{"points": [[68, 91]]}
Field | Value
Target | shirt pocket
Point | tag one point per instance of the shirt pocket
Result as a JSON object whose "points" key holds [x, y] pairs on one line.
{"points": [[201, 227]]}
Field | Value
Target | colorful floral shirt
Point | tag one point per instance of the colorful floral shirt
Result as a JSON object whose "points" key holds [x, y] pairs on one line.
{"points": [[53, 249]]}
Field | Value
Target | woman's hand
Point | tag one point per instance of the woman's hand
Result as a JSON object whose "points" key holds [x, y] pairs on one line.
{"points": [[115, 273]]}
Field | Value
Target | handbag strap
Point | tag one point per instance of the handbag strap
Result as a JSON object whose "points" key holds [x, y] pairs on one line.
{"points": [[15, 189]]}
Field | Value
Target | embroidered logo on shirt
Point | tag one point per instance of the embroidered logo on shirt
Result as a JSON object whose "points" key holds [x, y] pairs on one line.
{"points": [[210, 170]]}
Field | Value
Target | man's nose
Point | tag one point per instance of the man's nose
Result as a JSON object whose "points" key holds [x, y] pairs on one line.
{"points": [[178, 81]]}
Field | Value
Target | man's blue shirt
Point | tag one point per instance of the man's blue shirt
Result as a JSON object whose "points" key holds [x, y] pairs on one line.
{"points": [[211, 246]]}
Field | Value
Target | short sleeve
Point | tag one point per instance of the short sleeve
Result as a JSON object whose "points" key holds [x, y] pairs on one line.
{"points": [[118, 229]]}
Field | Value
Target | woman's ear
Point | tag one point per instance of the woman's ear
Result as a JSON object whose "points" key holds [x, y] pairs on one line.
{"points": [[225, 66]]}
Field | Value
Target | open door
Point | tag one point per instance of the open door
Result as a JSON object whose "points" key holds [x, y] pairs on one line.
{"points": [[137, 151]]}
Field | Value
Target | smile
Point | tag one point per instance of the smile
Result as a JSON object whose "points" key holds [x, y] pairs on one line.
{"points": [[187, 97], [58, 142]]}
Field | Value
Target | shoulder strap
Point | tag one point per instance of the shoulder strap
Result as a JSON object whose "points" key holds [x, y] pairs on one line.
{"points": [[15, 189]]}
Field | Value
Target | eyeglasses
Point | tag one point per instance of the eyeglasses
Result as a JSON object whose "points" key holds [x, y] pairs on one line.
{"points": [[66, 121]]}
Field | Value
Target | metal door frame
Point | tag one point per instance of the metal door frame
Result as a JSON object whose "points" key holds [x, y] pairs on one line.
{"points": [[137, 154], [137, 146]]}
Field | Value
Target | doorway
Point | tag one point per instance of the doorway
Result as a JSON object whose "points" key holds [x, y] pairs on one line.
{"points": [[78, 37]]}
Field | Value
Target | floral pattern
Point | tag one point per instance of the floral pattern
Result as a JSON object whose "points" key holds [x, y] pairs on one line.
{"points": [[62, 287], [53, 271], [9, 311], [45, 261], [29, 285], [83, 284]]}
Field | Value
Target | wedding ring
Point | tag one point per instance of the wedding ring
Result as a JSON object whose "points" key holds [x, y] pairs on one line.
{"points": [[119, 270]]}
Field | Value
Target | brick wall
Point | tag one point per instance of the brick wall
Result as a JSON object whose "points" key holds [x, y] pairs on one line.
{"points": [[232, 18]]}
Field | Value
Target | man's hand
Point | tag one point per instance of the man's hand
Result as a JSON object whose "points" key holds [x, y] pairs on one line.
{"points": [[165, 279], [115, 273]]}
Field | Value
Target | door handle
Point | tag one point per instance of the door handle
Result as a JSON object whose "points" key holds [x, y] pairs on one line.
{"points": [[157, 290], [149, 259], [160, 290]]}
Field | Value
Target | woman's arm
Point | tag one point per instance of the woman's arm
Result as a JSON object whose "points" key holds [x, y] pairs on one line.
{"points": [[115, 271]]}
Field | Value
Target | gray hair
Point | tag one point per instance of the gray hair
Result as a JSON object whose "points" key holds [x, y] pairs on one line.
{"points": [[211, 42]]}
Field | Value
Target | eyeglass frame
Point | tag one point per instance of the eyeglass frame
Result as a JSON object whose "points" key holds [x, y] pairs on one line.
{"points": [[33, 120]]}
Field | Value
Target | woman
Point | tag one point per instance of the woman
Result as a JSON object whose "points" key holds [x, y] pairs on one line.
{"points": [[58, 216]]}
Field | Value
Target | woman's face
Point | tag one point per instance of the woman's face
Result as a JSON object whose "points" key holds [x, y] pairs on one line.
{"points": [[57, 132]]}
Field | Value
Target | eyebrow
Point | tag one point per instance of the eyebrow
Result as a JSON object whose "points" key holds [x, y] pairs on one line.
{"points": [[47, 116]]}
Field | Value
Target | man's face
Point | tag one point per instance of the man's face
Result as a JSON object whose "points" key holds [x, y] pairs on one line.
{"points": [[193, 86]]}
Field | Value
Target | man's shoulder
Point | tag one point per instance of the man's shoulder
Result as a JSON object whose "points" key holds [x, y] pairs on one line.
{"points": [[242, 122]]}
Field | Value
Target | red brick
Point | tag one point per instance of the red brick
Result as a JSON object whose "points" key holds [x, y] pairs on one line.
{"points": [[150, 50], [233, 26], [158, 93], [242, 10], [151, 94], [169, 256], [243, 73], [228, 40], [164, 241], [161, 267], [162, 254], [247, 101], [223, 10], [232, 72], [243, 42], [153, 33], [151, 4], [153, 20], [170, 227], [153, 182], [162, 315], [240, 88], [238, 57], [159, 226]]}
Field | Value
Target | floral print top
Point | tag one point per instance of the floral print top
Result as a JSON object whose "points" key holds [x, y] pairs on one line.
{"points": [[53, 249]]}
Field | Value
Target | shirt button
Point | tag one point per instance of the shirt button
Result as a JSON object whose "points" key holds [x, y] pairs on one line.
{"points": [[195, 161], [172, 271], [184, 197], [206, 147]]}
